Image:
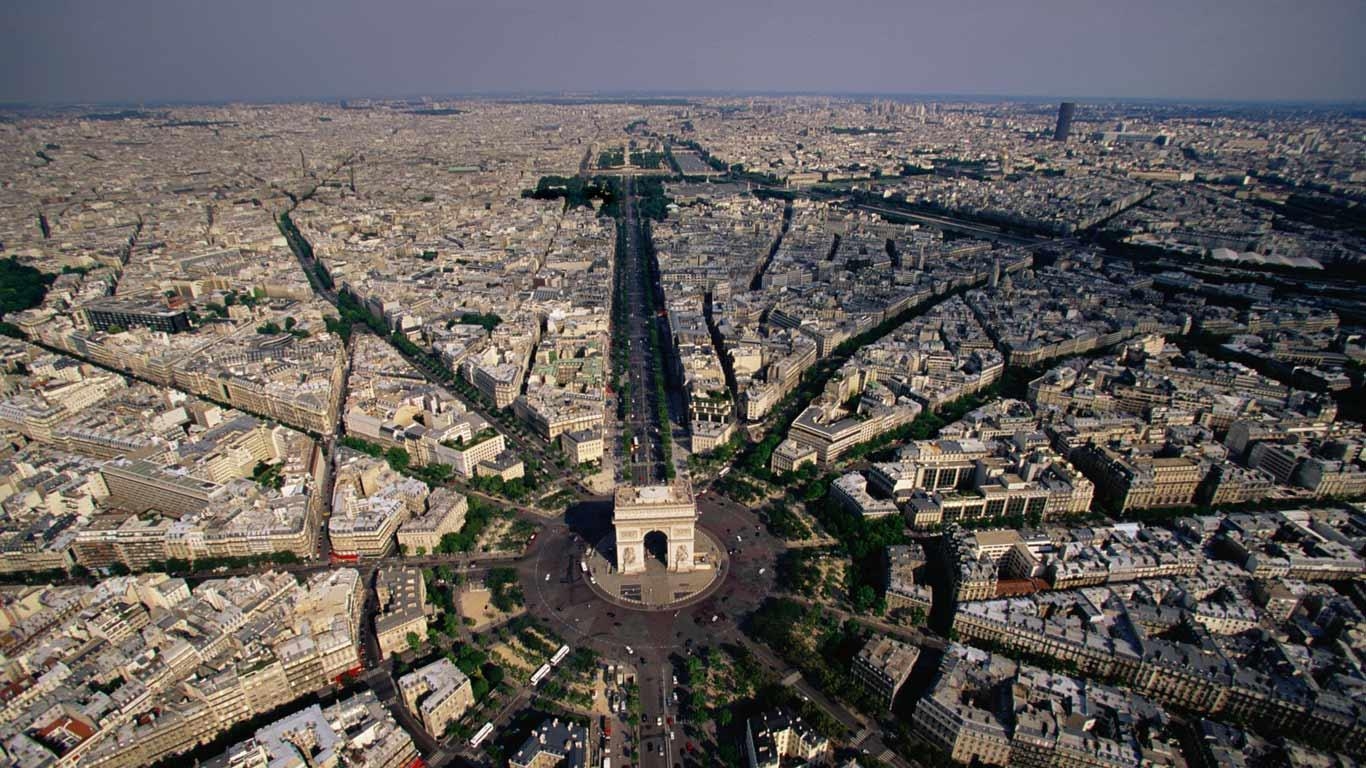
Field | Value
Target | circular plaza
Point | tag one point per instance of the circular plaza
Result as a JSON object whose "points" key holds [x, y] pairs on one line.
{"points": [[655, 587]]}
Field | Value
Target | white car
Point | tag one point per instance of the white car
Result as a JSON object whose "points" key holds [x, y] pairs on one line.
{"points": [[631, 652], [547, 577]]}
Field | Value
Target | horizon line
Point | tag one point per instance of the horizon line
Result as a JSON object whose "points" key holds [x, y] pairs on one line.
{"points": [[588, 95]]}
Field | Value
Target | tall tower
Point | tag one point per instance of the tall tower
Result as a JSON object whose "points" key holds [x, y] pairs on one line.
{"points": [[995, 279], [1065, 112]]}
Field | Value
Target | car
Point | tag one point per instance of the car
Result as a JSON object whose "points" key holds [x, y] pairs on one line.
{"points": [[675, 679], [659, 722], [547, 577], [671, 722], [650, 747], [629, 651]]}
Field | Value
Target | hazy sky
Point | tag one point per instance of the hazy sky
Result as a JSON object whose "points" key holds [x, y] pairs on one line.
{"points": [[135, 50]]}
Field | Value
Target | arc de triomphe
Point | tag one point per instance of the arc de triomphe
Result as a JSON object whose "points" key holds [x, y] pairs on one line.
{"points": [[639, 511]]}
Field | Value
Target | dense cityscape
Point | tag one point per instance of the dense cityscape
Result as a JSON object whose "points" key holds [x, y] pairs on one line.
{"points": [[691, 431]]}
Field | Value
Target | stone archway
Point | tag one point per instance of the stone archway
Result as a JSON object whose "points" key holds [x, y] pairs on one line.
{"points": [[667, 510], [656, 545]]}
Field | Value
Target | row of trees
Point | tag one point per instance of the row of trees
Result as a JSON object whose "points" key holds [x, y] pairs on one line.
{"points": [[655, 191], [208, 564], [755, 458]]}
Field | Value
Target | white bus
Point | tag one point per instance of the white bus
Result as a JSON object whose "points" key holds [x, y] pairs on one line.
{"points": [[483, 733], [559, 655], [540, 674]]}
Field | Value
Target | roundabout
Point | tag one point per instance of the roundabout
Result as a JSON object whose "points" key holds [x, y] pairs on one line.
{"points": [[656, 587], [563, 594]]}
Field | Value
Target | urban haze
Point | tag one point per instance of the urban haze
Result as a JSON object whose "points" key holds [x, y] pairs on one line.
{"points": [[594, 385]]}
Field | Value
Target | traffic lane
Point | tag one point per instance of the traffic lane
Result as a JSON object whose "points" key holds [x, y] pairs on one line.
{"points": [[659, 724]]}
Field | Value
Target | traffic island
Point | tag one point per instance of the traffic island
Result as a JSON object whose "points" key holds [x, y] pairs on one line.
{"points": [[656, 588]]}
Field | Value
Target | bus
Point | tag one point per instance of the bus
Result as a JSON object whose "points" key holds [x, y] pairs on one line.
{"points": [[540, 674], [559, 655], [481, 734]]}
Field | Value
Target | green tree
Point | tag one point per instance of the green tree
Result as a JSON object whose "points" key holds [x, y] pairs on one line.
{"points": [[414, 641], [694, 670], [398, 459], [863, 598]]}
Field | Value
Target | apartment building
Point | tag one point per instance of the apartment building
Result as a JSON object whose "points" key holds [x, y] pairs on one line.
{"points": [[445, 514], [438, 694], [582, 446], [883, 665], [402, 595]]}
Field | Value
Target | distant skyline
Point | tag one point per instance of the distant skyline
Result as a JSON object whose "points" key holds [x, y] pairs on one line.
{"points": [[69, 51]]}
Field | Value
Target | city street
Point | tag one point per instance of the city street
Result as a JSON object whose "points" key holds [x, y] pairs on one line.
{"points": [[645, 453]]}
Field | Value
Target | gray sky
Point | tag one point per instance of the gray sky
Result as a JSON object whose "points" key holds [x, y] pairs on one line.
{"points": [[136, 50]]}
